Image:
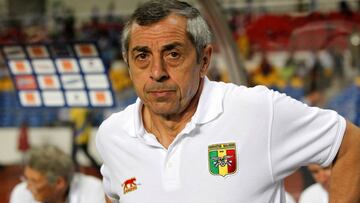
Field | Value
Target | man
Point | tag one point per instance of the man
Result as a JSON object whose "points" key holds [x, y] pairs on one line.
{"points": [[187, 139], [49, 178], [318, 192]]}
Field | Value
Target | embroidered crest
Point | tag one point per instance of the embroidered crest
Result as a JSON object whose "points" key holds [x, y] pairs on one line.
{"points": [[129, 185], [222, 159]]}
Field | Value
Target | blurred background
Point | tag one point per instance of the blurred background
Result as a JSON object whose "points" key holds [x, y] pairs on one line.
{"points": [[308, 49]]}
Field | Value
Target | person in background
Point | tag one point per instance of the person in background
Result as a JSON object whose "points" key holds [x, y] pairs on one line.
{"points": [[189, 139], [81, 129], [49, 177], [318, 192]]}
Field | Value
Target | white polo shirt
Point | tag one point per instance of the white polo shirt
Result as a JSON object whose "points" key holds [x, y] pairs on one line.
{"points": [[83, 189], [239, 145]]}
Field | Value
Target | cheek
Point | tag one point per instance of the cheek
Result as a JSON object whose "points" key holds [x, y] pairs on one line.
{"points": [[46, 193], [189, 87], [138, 80], [138, 85]]}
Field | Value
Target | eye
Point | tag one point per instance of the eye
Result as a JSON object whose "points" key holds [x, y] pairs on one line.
{"points": [[141, 59], [174, 54], [173, 57], [141, 56]]}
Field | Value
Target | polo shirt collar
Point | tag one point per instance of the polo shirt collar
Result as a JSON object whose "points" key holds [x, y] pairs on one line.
{"points": [[138, 124], [210, 103], [210, 106]]}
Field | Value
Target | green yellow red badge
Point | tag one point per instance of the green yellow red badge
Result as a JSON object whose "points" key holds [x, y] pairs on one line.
{"points": [[222, 159]]}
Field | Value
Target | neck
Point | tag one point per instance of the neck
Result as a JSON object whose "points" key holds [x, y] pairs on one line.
{"points": [[167, 127]]}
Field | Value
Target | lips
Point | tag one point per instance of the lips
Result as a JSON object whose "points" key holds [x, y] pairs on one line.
{"points": [[161, 93]]}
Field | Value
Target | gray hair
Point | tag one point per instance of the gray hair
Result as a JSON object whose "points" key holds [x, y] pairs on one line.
{"points": [[153, 11], [51, 162]]}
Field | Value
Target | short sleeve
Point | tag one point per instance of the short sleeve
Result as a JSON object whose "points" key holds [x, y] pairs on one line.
{"points": [[301, 135], [107, 184], [105, 171], [86, 189]]}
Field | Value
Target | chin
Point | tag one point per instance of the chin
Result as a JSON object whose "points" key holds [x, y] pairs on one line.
{"points": [[164, 109]]}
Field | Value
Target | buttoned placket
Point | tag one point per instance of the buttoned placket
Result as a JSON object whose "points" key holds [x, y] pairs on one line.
{"points": [[171, 167], [171, 157]]}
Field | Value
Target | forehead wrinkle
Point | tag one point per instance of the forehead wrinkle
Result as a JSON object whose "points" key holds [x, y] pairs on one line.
{"points": [[154, 43], [163, 31], [156, 36], [171, 46]]}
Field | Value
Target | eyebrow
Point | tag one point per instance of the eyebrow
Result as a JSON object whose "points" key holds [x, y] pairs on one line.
{"points": [[171, 46], [164, 48], [141, 49]]}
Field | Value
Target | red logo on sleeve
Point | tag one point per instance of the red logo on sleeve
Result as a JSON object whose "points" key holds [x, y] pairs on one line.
{"points": [[129, 185]]}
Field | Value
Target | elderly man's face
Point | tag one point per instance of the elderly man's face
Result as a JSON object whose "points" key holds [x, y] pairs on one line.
{"points": [[163, 65], [39, 186]]}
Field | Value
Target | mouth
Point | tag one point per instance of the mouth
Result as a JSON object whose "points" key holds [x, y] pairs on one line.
{"points": [[161, 93]]}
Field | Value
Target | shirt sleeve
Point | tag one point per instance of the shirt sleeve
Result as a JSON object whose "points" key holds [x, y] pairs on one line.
{"points": [[105, 171], [107, 184], [301, 135]]}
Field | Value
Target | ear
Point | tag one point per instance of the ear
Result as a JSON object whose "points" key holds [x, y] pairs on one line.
{"points": [[205, 61], [126, 61], [124, 56], [130, 75], [61, 183]]}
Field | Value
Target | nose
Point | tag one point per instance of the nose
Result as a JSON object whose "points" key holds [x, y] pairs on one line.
{"points": [[158, 70]]}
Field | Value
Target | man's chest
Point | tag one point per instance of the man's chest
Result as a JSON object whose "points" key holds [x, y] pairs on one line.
{"points": [[220, 166]]}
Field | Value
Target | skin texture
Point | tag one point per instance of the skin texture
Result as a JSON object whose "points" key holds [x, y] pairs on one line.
{"points": [[42, 190], [166, 75], [345, 173]]}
